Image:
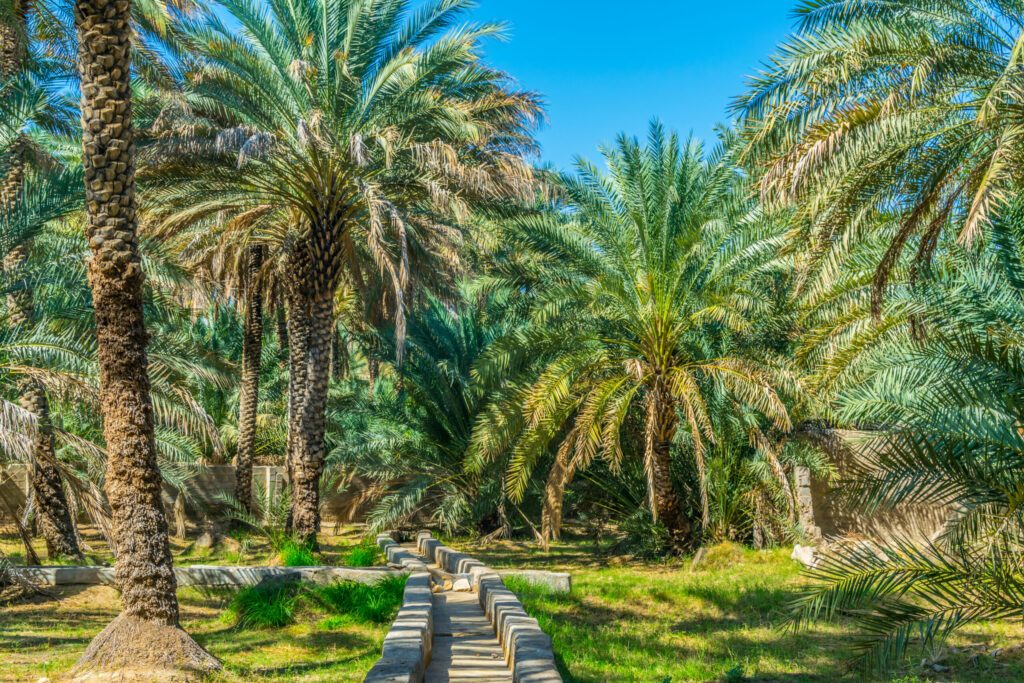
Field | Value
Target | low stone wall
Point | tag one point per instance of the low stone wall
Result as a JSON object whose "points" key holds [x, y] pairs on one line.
{"points": [[408, 645], [209, 576], [527, 648]]}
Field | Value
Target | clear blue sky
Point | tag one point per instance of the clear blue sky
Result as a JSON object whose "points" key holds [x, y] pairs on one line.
{"points": [[604, 67]]}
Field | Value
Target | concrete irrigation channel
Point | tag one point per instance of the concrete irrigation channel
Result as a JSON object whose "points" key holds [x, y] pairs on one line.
{"points": [[460, 623]]}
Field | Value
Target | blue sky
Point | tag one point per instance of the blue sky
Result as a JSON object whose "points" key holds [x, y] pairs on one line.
{"points": [[604, 67]]}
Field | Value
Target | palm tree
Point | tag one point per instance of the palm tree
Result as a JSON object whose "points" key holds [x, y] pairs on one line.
{"points": [[359, 134], [946, 415], [146, 635], [650, 269], [910, 106]]}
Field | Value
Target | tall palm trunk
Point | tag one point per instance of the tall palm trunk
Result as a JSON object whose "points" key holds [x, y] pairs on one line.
{"points": [[252, 353], [310, 322], [146, 636], [662, 422]]}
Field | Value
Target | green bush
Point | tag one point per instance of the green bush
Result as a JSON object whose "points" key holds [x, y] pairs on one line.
{"points": [[366, 554], [296, 554], [264, 606]]}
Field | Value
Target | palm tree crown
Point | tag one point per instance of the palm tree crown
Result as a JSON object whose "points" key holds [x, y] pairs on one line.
{"points": [[650, 270]]}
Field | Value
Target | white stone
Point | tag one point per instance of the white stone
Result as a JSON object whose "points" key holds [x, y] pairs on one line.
{"points": [[805, 555], [462, 586]]}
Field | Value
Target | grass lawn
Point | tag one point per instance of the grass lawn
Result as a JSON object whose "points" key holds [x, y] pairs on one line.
{"points": [[667, 622], [44, 637]]}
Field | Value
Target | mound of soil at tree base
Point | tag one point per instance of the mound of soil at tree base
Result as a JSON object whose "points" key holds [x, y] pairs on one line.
{"points": [[131, 649]]}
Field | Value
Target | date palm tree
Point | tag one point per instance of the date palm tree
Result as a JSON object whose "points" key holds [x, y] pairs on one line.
{"points": [[146, 635], [360, 134], [650, 268], [883, 105]]}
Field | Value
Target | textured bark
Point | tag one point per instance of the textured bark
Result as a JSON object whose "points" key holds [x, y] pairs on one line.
{"points": [[282, 331], [339, 355], [662, 423], [12, 38], [52, 510], [144, 572], [298, 334], [115, 274], [311, 363], [560, 476], [252, 352]]}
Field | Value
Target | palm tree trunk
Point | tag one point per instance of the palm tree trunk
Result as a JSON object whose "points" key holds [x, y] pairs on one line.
{"points": [[560, 476], [252, 352], [52, 510], [308, 412], [12, 39], [339, 355], [662, 422], [298, 335], [146, 636]]}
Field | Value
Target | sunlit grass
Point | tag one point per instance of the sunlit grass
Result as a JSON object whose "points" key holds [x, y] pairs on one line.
{"points": [[720, 621], [45, 637]]}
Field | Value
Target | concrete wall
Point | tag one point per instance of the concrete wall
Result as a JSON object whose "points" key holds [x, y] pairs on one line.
{"points": [[826, 514], [206, 489]]}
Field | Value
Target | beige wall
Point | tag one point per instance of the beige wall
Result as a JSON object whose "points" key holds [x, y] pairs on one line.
{"points": [[206, 489]]}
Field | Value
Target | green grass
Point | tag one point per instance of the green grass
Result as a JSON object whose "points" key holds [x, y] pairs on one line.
{"points": [[295, 554], [631, 621], [45, 636], [366, 554], [270, 606], [378, 604], [273, 605]]}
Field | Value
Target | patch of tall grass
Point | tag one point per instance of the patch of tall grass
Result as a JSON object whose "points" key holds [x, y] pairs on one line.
{"points": [[296, 554], [274, 605], [366, 554]]}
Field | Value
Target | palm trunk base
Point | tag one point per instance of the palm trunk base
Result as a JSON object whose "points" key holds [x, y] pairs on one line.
{"points": [[306, 504], [132, 649]]}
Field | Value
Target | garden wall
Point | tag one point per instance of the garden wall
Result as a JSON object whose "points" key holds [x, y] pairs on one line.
{"points": [[825, 512], [205, 491]]}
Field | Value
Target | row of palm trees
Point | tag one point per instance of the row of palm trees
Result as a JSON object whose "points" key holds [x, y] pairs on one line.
{"points": [[694, 313]]}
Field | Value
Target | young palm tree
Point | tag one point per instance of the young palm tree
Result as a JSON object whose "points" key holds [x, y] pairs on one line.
{"points": [[912, 105], [650, 269], [146, 635], [358, 133]]}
